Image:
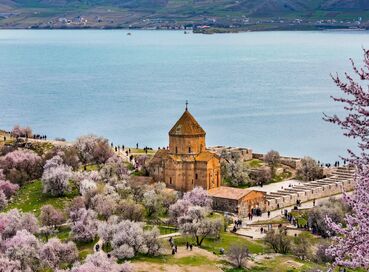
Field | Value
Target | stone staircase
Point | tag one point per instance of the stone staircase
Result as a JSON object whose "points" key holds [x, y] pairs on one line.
{"points": [[341, 180]]}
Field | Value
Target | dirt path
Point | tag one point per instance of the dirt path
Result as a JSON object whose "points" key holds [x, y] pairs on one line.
{"points": [[177, 263]]}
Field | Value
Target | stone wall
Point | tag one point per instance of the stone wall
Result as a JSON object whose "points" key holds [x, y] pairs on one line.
{"points": [[244, 153], [254, 199], [309, 191], [289, 161], [187, 145], [225, 205]]}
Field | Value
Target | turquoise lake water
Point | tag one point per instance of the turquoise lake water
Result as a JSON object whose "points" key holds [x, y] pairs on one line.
{"points": [[263, 90]]}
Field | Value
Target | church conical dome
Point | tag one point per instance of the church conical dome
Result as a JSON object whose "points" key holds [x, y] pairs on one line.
{"points": [[187, 126]]}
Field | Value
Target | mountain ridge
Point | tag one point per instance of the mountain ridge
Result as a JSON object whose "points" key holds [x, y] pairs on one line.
{"points": [[141, 13]]}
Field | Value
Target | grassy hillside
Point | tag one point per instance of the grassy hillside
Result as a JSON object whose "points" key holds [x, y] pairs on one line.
{"points": [[169, 13]]}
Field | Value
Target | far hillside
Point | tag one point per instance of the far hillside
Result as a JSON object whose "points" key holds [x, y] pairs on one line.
{"points": [[164, 14]]}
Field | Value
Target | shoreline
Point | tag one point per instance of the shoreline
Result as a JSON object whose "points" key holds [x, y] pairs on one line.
{"points": [[199, 31]]}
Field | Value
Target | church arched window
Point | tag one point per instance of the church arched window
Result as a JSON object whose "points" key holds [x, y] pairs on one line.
{"points": [[189, 149]]}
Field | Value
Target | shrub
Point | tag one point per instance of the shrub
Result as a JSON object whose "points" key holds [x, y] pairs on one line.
{"points": [[309, 170], [20, 166], [56, 177], [278, 240], [93, 149]]}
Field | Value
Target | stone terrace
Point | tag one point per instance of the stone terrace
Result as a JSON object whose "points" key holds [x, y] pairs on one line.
{"points": [[341, 180]]}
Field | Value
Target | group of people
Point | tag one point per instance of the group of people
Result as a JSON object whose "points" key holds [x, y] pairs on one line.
{"points": [[39, 137], [328, 165], [174, 247], [294, 221], [237, 225], [254, 212], [189, 246]]}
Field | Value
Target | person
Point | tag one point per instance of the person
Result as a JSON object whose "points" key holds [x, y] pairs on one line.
{"points": [[314, 202], [187, 245], [108, 255], [261, 230], [234, 228], [268, 214], [176, 248], [221, 251], [191, 247], [136, 147], [173, 250], [97, 247]]}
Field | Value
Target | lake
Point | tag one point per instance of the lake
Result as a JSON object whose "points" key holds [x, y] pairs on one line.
{"points": [[262, 90]]}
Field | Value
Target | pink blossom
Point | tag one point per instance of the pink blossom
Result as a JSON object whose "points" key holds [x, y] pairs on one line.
{"points": [[351, 246], [93, 149], [55, 253], [20, 166], [23, 247], [198, 197], [8, 265], [8, 188], [56, 177], [18, 131], [14, 220], [85, 228], [99, 262]]}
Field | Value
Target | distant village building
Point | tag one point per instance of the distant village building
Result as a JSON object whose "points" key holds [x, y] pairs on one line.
{"points": [[187, 163]]}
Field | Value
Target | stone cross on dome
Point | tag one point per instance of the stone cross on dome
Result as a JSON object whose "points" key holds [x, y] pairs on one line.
{"points": [[186, 105]]}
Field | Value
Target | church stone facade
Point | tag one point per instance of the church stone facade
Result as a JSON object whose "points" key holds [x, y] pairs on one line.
{"points": [[187, 163]]}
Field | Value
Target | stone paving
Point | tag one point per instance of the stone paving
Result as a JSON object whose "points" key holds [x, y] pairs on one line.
{"points": [[286, 193], [251, 230]]}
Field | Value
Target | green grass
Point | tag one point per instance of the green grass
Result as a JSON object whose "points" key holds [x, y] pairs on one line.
{"points": [[286, 264], [226, 240], [141, 151], [254, 163], [169, 259], [30, 198], [90, 167], [167, 230], [281, 177], [85, 248], [63, 233], [163, 229], [300, 216]]}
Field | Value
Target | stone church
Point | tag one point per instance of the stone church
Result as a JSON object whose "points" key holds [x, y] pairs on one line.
{"points": [[187, 163]]}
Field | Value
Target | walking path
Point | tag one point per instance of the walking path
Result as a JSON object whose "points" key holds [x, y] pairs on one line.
{"points": [[174, 234], [250, 228], [274, 187], [276, 213]]}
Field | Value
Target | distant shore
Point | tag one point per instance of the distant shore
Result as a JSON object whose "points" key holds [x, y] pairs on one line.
{"points": [[203, 30]]}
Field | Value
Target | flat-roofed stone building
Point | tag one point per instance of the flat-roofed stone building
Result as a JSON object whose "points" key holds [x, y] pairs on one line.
{"points": [[187, 163], [239, 201]]}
